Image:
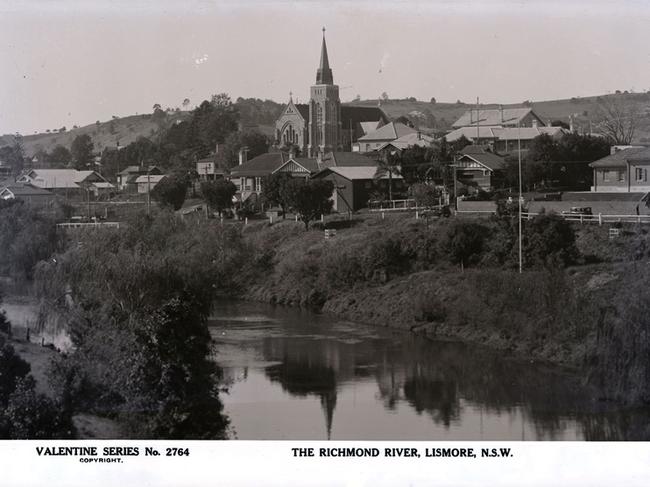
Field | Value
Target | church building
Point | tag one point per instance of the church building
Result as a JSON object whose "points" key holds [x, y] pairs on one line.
{"points": [[324, 125]]}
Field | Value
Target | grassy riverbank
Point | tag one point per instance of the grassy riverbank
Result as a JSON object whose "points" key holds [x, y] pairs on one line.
{"points": [[582, 307]]}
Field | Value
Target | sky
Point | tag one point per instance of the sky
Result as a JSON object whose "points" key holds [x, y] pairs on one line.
{"points": [[72, 62]]}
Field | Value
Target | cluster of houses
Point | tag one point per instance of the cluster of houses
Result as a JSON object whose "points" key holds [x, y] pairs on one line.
{"points": [[345, 144]]}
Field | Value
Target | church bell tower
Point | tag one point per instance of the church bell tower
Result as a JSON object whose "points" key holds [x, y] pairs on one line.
{"points": [[324, 109]]}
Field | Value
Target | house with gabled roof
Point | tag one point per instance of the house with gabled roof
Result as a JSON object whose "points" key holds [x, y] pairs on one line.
{"points": [[126, 178], [478, 168], [386, 133], [499, 117], [504, 139], [70, 182], [30, 195], [626, 169]]}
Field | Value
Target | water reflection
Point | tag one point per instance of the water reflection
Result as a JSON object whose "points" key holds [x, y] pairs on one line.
{"points": [[372, 383]]}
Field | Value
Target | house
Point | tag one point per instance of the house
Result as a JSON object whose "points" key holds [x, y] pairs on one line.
{"points": [[213, 167], [409, 140], [126, 179], [626, 169], [148, 182], [66, 181], [386, 133], [30, 195], [5, 170], [249, 175], [504, 139], [478, 168], [354, 186], [499, 117]]}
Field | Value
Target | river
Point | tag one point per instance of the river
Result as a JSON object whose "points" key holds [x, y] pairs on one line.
{"points": [[292, 374]]}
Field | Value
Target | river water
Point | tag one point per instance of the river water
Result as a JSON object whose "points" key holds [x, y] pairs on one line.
{"points": [[295, 375]]}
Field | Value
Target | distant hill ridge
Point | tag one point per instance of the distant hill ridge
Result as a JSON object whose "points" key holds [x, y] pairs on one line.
{"points": [[260, 114]]}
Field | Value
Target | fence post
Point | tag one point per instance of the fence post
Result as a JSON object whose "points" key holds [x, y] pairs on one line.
{"points": [[417, 217], [382, 215], [600, 219], [246, 221], [580, 219], [271, 219], [322, 218]]}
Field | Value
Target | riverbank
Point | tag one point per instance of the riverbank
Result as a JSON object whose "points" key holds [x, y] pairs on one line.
{"points": [[396, 275]]}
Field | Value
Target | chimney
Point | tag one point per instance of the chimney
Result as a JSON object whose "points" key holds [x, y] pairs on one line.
{"points": [[613, 150], [534, 123], [292, 152], [319, 158], [501, 113], [571, 127], [243, 155]]}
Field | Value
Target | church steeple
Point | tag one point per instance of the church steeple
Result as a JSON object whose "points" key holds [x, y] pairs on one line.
{"points": [[324, 74]]}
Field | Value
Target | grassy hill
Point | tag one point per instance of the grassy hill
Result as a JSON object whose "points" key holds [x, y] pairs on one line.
{"points": [[260, 114]]}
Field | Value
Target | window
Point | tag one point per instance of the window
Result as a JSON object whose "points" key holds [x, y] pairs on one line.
{"points": [[621, 175], [258, 184], [486, 172], [367, 147], [641, 174], [606, 175]]}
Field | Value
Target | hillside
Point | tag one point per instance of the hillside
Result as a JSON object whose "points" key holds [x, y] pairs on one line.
{"points": [[260, 115]]}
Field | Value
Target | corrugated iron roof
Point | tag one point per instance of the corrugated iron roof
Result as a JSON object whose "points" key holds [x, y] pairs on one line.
{"points": [[493, 116], [388, 132], [483, 156]]}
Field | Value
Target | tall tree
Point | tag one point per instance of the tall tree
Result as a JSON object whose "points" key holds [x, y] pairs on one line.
{"points": [[218, 194], [82, 152], [309, 198], [273, 189], [617, 120], [256, 142], [170, 192]]}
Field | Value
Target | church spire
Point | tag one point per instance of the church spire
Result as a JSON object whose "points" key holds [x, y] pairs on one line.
{"points": [[324, 73]]}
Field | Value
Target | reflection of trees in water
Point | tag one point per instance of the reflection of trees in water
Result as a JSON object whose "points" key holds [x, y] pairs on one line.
{"points": [[437, 398], [437, 378]]}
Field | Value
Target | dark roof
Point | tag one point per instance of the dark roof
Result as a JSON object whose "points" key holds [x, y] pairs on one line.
{"points": [[346, 159], [483, 156], [303, 108], [324, 72], [310, 164], [19, 189], [621, 157], [262, 165]]}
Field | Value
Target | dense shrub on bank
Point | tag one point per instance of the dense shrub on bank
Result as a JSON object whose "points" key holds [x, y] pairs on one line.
{"points": [[26, 237], [141, 296], [24, 413]]}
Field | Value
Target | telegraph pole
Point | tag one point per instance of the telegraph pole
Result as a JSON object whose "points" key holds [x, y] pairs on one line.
{"points": [[519, 159]]}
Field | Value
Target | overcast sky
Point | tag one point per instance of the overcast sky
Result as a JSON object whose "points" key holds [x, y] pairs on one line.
{"points": [[66, 62]]}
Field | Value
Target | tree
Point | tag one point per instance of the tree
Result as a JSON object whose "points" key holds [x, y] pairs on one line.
{"points": [[405, 120], [549, 241], [13, 156], [186, 102], [82, 151], [273, 189], [60, 155], [170, 192], [432, 101], [424, 195], [388, 163], [309, 198], [616, 120], [256, 142], [464, 242], [218, 194], [384, 96]]}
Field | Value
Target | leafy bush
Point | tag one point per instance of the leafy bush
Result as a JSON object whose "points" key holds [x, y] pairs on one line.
{"points": [[549, 240], [464, 242], [170, 192]]}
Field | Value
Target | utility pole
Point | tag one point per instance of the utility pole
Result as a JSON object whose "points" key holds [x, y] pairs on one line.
{"points": [[478, 130], [519, 159], [148, 192]]}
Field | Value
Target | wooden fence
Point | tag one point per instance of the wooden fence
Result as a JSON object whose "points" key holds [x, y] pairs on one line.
{"points": [[599, 218]]}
